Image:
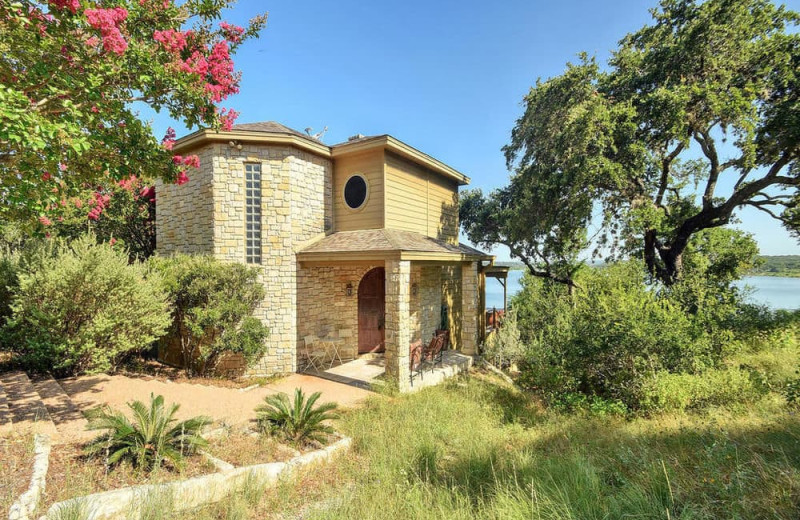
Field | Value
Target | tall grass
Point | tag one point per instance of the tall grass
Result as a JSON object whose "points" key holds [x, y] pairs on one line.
{"points": [[475, 448]]}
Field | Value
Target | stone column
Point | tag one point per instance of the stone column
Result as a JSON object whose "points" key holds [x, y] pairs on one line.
{"points": [[470, 298], [398, 322]]}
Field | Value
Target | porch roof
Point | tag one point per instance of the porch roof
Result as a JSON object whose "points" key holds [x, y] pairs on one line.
{"points": [[372, 244]]}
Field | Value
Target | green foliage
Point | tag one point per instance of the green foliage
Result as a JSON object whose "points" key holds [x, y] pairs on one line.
{"points": [[297, 420], [780, 265], [128, 220], [504, 346], [82, 308], [69, 105], [150, 438], [679, 392], [635, 143], [213, 304]]}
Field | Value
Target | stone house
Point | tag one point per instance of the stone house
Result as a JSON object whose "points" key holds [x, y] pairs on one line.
{"points": [[357, 241]]}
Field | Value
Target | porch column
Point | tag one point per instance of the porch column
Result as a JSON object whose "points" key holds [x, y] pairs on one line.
{"points": [[398, 322], [470, 299]]}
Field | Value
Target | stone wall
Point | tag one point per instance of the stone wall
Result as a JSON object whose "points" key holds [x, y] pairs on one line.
{"points": [[398, 326], [470, 301], [209, 217], [451, 297], [184, 213], [324, 309], [426, 305]]}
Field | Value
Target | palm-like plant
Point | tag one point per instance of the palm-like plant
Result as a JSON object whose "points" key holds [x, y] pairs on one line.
{"points": [[298, 420], [152, 436]]}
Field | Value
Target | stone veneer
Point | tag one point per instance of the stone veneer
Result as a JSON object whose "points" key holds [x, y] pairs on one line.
{"points": [[469, 308], [398, 322], [296, 204]]}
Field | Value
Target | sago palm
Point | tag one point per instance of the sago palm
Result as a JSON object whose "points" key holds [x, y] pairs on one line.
{"points": [[151, 436], [298, 420]]}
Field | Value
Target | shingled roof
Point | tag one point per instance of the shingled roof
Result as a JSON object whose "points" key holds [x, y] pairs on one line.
{"points": [[272, 127], [387, 241]]}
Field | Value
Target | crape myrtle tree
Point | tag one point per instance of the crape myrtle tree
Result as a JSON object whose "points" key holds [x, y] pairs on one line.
{"points": [[71, 75], [695, 117]]}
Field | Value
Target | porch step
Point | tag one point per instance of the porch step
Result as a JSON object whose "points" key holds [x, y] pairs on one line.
{"points": [[5, 413], [28, 413], [69, 421]]}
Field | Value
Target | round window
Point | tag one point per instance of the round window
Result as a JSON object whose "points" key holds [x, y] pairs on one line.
{"points": [[355, 192]]}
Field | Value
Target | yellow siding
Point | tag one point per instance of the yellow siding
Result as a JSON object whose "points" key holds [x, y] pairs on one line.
{"points": [[370, 216], [420, 200]]}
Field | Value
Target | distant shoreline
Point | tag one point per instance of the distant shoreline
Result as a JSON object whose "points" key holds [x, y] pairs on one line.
{"points": [[786, 266]]}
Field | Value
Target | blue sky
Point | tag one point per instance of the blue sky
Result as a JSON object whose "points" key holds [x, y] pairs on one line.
{"points": [[445, 76]]}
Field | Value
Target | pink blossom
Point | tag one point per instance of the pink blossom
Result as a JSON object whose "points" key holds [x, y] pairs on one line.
{"points": [[46, 176], [232, 33], [107, 21], [92, 41], [94, 109], [172, 40], [227, 118], [112, 241], [45, 221], [182, 178], [62, 167], [72, 5], [192, 160], [177, 159], [149, 193]]}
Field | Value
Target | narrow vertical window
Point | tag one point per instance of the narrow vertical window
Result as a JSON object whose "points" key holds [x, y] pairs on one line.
{"points": [[252, 177]]}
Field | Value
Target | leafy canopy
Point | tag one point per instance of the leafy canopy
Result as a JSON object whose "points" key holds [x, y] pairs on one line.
{"points": [[71, 73], [708, 92]]}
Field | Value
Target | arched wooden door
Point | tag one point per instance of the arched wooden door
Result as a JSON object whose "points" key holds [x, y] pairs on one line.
{"points": [[371, 311]]}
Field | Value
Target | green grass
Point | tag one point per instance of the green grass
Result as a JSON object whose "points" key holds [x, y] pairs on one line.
{"points": [[475, 448]]}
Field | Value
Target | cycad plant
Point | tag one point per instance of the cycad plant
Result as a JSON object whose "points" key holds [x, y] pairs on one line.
{"points": [[297, 420], [151, 436]]}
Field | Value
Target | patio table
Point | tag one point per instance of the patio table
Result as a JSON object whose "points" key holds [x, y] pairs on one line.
{"points": [[331, 348]]}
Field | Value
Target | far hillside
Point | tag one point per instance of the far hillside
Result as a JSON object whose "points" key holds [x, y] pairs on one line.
{"points": [[783, 265]]}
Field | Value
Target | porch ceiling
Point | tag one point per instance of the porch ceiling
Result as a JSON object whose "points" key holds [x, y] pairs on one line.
{"points": [[382, 244]]}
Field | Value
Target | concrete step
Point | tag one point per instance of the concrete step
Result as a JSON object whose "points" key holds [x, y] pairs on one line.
{"points": [[28, 413], [5, 413], [69, 421]]}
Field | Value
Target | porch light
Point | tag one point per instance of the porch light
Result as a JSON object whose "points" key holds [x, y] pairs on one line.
{"points": [[349, 289]]}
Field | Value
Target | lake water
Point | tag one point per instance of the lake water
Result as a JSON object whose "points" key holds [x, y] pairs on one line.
{"points": [[774, 291]]}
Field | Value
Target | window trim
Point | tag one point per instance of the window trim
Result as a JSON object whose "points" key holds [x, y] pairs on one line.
{"points": [[366, 197], [254, 243]]}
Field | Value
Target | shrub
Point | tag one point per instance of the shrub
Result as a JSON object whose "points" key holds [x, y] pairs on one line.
{"points": [[606, 340], [679, 392], [81, 308], [297, 421], [504, 346], [154, 435], [213, 304]]}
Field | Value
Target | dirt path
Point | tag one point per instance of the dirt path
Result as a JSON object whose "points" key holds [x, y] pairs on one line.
{"points": [[229, 405]]}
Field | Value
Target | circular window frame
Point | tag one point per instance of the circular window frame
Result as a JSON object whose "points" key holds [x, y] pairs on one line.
{"points": [[366, 196]]}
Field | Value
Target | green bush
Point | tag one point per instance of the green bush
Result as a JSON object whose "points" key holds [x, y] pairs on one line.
{"points": [[82, 308], [679, 392], [297, 420], [504, 346], [213, 304], [152, 436], [608, 339]]}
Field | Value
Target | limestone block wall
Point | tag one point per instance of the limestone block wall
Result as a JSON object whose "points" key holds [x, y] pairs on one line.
{"points": [[398, 322], [207, 215], [184, 214], [469, 307], [426, 304], [324, 309]]}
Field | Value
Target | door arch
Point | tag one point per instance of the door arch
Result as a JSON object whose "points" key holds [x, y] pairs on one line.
{"points": [[371, 311]]}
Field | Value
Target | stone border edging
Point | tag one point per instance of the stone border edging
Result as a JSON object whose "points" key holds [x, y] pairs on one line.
{"points": [[27, 502], [191, 493]]}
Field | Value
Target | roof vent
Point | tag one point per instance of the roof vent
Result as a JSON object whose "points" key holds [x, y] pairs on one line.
{"points": [[355, 137]]}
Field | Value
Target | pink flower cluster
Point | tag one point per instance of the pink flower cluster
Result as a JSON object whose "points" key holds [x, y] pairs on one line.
{"points": [[149, 193], [172, 40], [220, 69], [192, 161], [45, 221], [227, 117], [108, 21], [100, 202], [72, 5], [169, 139], [232, 33]]}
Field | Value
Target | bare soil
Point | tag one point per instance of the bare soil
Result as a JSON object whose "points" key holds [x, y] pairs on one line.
{"points": [[241, 449], [16, 468]]}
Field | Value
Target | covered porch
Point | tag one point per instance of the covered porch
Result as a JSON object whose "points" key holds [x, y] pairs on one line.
{"points": [[378, 292]]}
